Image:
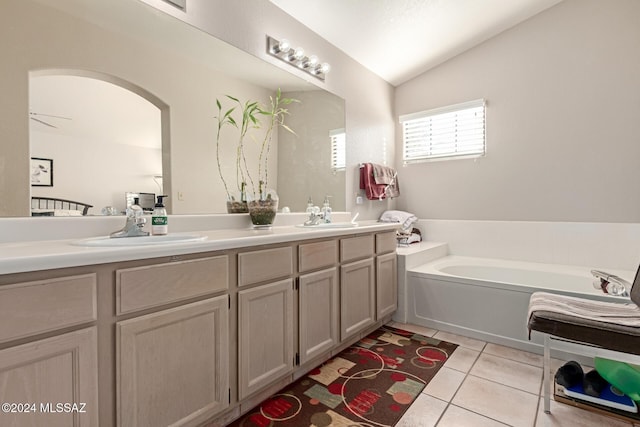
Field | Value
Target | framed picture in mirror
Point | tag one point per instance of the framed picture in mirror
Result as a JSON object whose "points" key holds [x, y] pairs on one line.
{"points": [[41, 172]]}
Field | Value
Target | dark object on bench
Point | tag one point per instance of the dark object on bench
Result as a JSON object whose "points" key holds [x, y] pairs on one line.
{"points": [[594, 383], [55, 203], [570, 374]]}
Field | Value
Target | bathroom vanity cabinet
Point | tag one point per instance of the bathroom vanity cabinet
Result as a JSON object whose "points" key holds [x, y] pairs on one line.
{"points": [[182, 340]]}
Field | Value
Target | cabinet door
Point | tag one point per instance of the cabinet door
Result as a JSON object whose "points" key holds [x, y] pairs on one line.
{"points": [[386, 284], [172, 366], [59, 370], [357, 297], [265, 335], [318, 317]]}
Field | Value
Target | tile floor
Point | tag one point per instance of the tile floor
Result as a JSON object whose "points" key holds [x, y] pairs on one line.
{"points": [[488, 385]]}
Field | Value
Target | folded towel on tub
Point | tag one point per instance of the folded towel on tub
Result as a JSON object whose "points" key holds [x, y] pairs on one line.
{"points": [[407, 219]]}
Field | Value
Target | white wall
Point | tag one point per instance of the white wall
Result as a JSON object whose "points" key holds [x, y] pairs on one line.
{"points": [[91, 172], [563, 119]]}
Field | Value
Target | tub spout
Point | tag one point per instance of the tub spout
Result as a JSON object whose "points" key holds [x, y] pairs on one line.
{"points": [[610, 283]]}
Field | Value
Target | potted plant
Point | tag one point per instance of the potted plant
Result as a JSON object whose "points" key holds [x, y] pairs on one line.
{"points": [[249, 119], [264, 203], [261, 202]]}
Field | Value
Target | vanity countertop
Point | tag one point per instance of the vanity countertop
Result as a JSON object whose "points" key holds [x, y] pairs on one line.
{"points": [[17, 257]]}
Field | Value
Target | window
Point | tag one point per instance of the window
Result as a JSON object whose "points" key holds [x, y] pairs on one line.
{"points": [[338, 149], [443, 133]]}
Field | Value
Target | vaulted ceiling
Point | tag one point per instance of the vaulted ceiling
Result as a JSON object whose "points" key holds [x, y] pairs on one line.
{"points": [[401, 39]]}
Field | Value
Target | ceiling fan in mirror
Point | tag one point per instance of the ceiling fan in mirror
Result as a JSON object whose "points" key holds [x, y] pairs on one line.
{"points": [[45, 119]]}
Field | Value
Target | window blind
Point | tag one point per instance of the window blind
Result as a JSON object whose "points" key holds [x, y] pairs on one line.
{"points": [[338, 149], [449, 132]]}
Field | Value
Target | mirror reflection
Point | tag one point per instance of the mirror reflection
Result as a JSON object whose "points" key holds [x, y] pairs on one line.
{"points": [[114, 144], [127, 96]]}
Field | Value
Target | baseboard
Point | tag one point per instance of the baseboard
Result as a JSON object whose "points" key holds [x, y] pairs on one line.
{"points": [[531, 347]]}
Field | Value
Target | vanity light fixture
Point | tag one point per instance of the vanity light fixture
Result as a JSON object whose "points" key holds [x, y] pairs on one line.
{"points": [[311, 64]]}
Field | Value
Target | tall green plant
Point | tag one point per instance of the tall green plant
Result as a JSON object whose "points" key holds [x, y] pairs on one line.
{"points": [[223, 120], [276, 114], [249, 109]]}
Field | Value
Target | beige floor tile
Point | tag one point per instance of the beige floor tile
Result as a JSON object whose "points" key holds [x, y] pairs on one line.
{"points": [[424, 412], [455, 416], [422, 330], [508, 372], [471, 343], [508, 405], [462, 359], [514, 354], [445, 384], [568, 416]]}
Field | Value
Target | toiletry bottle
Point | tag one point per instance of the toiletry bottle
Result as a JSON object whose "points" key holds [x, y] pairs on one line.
{"points": [[326, 210], [310, 206], [159, 222], [135, 211]]}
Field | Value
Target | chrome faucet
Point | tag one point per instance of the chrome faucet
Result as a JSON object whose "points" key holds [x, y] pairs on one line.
{"points": [[134, 224], [611, 284], [315, 218]]}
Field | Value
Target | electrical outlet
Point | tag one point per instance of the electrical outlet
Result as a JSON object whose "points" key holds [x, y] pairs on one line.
{"points": [[180, 196], [359, 200]]}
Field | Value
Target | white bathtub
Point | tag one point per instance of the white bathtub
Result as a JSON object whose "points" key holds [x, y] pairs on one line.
{"points": [[488, 298]]}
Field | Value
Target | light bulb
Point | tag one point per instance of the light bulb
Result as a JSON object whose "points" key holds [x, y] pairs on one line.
{"points": [[283, 47], [325, 67], [299, 53], [312, 61]]}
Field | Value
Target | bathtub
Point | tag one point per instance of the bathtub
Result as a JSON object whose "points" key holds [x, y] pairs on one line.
{"points": [[488, 298]]}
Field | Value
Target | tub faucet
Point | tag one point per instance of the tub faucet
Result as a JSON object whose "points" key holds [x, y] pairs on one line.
{"points": [[611, 284], [134, 224]]}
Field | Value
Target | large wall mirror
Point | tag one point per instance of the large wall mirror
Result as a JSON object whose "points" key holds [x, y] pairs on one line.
{"points": [[122, 98]]}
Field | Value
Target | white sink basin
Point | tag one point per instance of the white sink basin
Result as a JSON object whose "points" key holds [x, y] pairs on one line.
{"points": [[330, 225], [106, 241]]}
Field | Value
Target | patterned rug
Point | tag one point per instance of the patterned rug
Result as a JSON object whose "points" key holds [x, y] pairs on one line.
{"points": [[372, 383]]}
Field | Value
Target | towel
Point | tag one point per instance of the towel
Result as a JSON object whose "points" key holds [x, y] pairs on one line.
{"points": [[405, 218], [373, 190], [627, 314], [383, 174]]}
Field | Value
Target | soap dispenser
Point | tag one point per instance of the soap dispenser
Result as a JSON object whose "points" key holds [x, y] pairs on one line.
{"points": [[326, 210], [310, 207], [159, 220]]}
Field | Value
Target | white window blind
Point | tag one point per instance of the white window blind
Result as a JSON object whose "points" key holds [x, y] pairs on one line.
{"points": [[338, 149], [449, 132]]}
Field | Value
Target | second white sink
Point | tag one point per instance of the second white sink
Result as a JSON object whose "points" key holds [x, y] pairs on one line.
{"points": [[106, 241]]}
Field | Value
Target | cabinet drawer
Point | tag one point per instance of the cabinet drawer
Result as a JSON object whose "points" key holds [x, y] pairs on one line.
{"points": [[45, 305], [154, 285], [313, 256], [386, 242], [356, 247], [268, 264]]}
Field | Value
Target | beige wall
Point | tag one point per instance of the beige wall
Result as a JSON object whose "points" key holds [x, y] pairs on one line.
{"points": [[563, 121], [304, 159]]}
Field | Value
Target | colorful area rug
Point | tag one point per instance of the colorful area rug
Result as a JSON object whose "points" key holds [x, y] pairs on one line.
{"points": [[372, 383]]}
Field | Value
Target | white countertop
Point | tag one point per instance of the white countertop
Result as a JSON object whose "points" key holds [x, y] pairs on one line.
{"points": [[17, 257]]}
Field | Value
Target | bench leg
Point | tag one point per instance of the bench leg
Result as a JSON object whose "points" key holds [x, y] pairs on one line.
{"points": [[546, 375]]}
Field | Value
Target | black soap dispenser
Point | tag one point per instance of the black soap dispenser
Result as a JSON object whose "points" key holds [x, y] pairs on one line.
{"points": [[159, 219]]}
